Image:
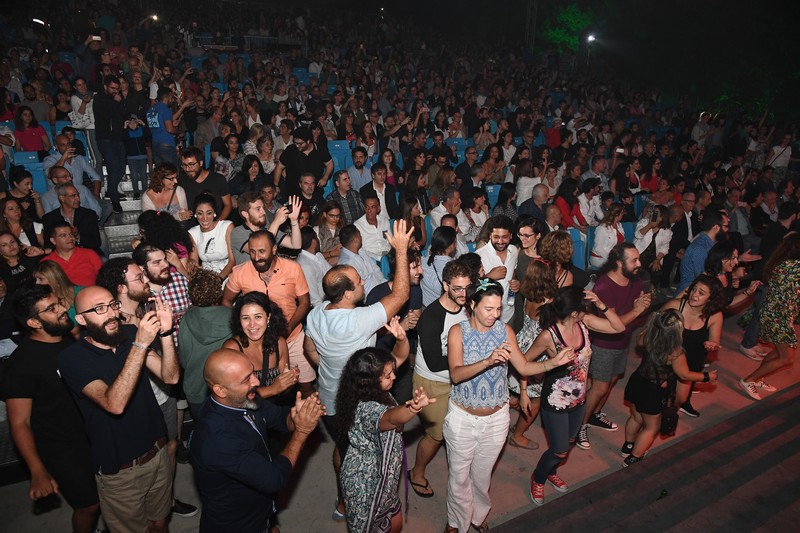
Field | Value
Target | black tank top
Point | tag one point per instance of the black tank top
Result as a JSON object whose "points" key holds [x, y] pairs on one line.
{"points": [[693, 343]]}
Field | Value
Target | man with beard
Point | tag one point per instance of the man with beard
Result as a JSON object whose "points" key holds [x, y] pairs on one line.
{"points": [[45, 423], [499, 259], [79, 264], [169, 285], [255, 217], [126, 282], [285, 284], [125, 425], [431, 368], [359, 174], [619, 287], [408, 314], [196, 180], [235, 473], [299, 157], [693, 261], [339, 327]]}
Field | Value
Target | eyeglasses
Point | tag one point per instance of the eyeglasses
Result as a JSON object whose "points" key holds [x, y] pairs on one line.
{"points": [[52, 307], [139, 278], [525, 235], [331, 215], [102, 309], [459, 289]]}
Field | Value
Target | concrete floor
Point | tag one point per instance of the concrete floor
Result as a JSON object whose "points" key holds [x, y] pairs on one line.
{"points": [[309, 504]]}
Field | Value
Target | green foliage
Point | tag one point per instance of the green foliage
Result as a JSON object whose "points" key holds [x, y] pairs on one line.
{"points": [[564, 28]]}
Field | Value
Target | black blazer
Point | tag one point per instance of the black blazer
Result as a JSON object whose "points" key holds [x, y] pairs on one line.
{"points": [[680, 234], [85, 220], [392, 206]]}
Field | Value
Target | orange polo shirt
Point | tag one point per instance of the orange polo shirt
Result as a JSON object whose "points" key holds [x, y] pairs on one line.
{"points": [[286, 285]]}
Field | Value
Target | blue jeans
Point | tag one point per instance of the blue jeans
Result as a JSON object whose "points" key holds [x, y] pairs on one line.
{"points": [[114, 156], [561, 428], [750, 338], [164, 153], [138, 168]]}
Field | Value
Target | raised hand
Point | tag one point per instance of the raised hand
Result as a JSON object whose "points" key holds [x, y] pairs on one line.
{"points": [[395, 328], [164, 314], [402, 236], [295, 202]]}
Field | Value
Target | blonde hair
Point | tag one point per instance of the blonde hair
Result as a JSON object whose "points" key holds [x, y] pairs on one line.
{"points": [[57, 279]]}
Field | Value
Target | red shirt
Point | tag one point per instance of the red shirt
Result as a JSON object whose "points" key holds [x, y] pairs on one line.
{"points": [[81, 268], [566, 212], [30, 140]]}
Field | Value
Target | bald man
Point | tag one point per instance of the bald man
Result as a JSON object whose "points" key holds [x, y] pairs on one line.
{"points": [[125, 424], [235, 474]]}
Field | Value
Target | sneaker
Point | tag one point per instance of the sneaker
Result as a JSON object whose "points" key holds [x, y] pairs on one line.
{"points": [[582, 441], [689, 410], [626, 449], [631, 460], [116, 207], [601, 421], [761, 384], [183, 509], [557, 483], [752, 353], [750, 388], [537, 492]]}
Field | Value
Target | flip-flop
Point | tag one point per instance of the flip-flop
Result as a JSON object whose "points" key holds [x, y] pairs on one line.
{"points": [[530, 446], [414, 486]]}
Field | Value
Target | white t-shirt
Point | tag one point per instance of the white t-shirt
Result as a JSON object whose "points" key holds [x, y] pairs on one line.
{"points": [[490, 259]]}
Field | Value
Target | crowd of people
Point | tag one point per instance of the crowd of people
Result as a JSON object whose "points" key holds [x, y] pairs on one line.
{"points": [[361, 237]]}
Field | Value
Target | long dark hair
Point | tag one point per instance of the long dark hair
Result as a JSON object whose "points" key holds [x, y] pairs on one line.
{"points": [[360, 382], [566, 301], [716, 299], [789, 248], [442, 238], [716, 255], [276, 327], [163, 231], [567, 191]]}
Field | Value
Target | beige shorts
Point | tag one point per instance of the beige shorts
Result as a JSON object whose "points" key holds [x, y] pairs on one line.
{"points": [[297, 357], [432, 415], [132, 497]]}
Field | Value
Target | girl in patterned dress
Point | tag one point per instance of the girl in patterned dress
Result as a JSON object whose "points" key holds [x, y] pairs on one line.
{"points": [[563, 402], [373, 423], [781, 307]]}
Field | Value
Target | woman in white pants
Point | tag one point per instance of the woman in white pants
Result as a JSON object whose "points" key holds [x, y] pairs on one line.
{"points": [[476, 425]]}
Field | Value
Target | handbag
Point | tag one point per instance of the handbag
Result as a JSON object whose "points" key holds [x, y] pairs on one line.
{"points": [[669, 411], [79, 122]]}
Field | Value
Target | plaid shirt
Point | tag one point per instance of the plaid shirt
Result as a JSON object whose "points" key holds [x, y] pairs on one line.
{"points": [[176, 292], [352, 206]]}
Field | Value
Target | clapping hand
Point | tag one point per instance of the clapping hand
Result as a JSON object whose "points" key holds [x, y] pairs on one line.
{"points": [[306, 413], [419, 400]]}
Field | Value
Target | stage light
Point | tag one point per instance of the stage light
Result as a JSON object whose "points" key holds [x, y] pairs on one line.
{"points": [[591, 38]]}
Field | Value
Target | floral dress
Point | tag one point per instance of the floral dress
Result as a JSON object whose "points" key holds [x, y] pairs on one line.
{"points": [[370, 472], [530, 330], [781, 304], [564, 388]]}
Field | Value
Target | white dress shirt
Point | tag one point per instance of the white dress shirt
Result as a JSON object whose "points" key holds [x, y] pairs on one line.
{"points": [[314, 268], [372, 237]]}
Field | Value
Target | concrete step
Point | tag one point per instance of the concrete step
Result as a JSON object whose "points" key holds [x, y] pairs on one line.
{"points": [[119, 244]]}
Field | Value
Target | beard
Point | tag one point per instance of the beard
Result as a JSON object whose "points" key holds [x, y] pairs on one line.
{"points": [[139, 297], [98, 332], [631, 274], [500, 246], [60, 328], [162, 278], [262, 265]]}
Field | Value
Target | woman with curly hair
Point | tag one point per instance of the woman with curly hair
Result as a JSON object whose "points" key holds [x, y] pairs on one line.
{"points": [[565, 323], [164, 194], [163, 231], [479, 351], [781, 307], [371, 422], [556, 248], [15, 220], [258, 330], [211, 238], [701, 309], [331, 221], [661, 343]]}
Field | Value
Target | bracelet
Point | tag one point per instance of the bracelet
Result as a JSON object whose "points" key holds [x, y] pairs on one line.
{"points": [[142, 346], [603, 310], [544, 364], [706, 377], [413, 411], [167, 333]]}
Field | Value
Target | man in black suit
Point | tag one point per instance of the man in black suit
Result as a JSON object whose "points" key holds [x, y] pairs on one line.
{"points": [[84, 221], [387, 194], [683, 232]]}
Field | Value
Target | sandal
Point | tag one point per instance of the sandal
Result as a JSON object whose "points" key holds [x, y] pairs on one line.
{"points": [[483, 528], [426, 486], [337, 515], [530, 446]]}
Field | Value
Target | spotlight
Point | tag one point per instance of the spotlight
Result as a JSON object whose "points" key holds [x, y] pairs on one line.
{"points": [[591, 38]]}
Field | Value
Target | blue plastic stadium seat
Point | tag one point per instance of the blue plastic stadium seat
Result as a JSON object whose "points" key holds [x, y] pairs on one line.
{"points": [[630, 229], [590, 234], [428, 231], [384, 263], [39, 178], [24, 158], [460, 144], [61, 124], [208, 156], [492, 192], [338, 145], [578, 248], [639, 201], [8, 124]]}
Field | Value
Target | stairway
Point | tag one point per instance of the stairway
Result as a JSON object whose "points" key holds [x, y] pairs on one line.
{"points": [[121, 228]]}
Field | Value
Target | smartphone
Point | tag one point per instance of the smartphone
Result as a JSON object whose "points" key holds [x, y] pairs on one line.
{"points": [[620, 150], [589, 307], [654, 215], [149, 305], [96, 37]]}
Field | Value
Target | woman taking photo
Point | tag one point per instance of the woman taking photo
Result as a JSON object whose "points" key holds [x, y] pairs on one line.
{"points": [[331, 222], [258, 330], [649, 387], [441, 252], [651, 237], [777, 316], [211, 238], [477, 420], [16, 222], [567, 324], [608, 234], [164, 194], [371, 422], [21, 189], [701, 310]]}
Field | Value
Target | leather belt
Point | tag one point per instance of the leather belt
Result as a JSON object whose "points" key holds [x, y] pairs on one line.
{"points": [[146, 456]]}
